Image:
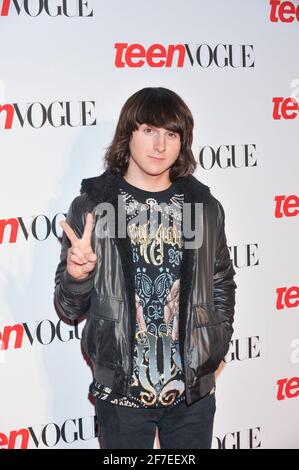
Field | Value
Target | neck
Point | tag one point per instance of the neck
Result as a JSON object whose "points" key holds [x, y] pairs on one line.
{"points": [[138, 178]]}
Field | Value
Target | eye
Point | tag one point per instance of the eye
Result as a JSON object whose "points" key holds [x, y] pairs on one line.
{"points": [[172, 134], [147, 130]]}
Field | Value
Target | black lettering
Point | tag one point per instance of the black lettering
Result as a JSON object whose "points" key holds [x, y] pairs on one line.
{"points": [[92, 428], [43, 115], [44, 435], [28, 332], [210, 55], [40, 7], [50, 115], [54, 224], [52, 332], [58, 333], [63, 432], [23, 227], [48, 227]]}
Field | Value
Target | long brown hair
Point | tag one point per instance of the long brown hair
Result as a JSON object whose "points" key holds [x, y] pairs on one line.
{"points": [[159, 107]]}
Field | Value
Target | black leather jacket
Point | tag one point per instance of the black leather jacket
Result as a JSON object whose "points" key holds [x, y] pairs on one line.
{"points": [[107, 296]]}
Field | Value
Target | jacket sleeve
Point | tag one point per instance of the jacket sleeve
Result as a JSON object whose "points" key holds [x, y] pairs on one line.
{"points": [[72, 296], [224, 284]]}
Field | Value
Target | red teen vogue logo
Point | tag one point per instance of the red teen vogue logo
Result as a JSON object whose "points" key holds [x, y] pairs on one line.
{"points": [[70, 8], [177, 55]]}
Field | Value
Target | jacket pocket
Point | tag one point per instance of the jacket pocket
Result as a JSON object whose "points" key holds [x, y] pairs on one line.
{"points": [[108, 308], [211, 337], [205, 314]]}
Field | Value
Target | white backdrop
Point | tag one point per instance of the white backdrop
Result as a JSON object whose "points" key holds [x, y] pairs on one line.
{"points": [[239, 57]]}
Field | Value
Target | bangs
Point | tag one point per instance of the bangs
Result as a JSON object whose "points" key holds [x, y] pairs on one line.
{"points": [[159, 110]]}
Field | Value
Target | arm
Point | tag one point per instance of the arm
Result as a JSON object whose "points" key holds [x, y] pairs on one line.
{"points": [[224, 284], [71, 295]]}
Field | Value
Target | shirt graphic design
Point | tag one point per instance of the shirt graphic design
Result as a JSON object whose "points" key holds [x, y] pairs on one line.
{"points": [[156, 241]]}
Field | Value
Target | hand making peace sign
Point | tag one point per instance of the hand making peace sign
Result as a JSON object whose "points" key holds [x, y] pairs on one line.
{"points": [[81, 259]]}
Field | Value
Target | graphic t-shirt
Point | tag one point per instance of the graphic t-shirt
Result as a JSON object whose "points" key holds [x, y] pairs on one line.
{"points": [[154, 224]]}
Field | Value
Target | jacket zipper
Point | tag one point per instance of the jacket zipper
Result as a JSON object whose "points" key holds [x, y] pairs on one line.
{"points": [[131, 349]]}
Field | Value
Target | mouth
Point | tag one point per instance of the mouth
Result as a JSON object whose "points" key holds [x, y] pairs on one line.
{"points": [[156, 158]]}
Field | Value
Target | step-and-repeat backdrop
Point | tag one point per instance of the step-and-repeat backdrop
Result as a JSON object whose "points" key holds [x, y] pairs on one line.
{"points": [[67, 67]]}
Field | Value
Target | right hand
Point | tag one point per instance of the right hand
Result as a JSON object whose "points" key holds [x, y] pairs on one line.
{"points": [[81, 259]]}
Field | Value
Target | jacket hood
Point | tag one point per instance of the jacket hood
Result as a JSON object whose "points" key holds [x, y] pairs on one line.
{"points": [[104, 187]]}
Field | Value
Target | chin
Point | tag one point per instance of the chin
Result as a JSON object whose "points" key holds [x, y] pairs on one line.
{"points": [[154, 172]]}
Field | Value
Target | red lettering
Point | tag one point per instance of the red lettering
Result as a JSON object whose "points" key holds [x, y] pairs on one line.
{"points": [[292, 293], [283, 11], [287, 8], [18, 329], [130, 54], [156, 50], [291, 202], [120, 47], [280, 392], [278, 211], [288, 206], [155, 56], [274, 4], [24, 433], [289, 104], [10, 110], [14, 224], [291, 298], [279, 303], [289, 108], [5, 7], [3, 440], [182, 52], [276, 113], [293, 384], [11, 441]]}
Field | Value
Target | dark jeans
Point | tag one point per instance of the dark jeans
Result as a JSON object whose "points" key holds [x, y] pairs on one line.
{"points": [[180, 427]]}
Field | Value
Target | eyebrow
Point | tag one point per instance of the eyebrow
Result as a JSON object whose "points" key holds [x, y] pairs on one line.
{"points": [[155, 127]]}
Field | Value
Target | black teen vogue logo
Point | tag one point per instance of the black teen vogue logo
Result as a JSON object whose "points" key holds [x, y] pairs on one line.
{"points": [[55, 114], [227, 156], [33, 8], [178, 55], [43, 332], [40, 227], [51, 434]]}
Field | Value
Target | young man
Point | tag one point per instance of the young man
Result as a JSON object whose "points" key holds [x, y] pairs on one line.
{"points": [[159, 297]]}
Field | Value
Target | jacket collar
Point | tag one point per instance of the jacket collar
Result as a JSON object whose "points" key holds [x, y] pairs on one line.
{"points": [[104, 187]]}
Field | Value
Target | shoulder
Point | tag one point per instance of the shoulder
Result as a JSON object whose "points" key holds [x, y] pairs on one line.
{"points": [[99, 188], [81, 204], [203, 193]]}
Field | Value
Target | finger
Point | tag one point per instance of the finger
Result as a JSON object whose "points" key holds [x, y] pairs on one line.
{"points": [[69, 232], [91, 257], [88, 227], [75, 259], [76, 251]]}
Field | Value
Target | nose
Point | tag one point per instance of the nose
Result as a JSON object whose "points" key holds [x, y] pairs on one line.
{"points": [[160, 143]]}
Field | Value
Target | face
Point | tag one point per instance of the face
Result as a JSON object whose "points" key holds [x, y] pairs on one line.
{"points": [[154, 150]]}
